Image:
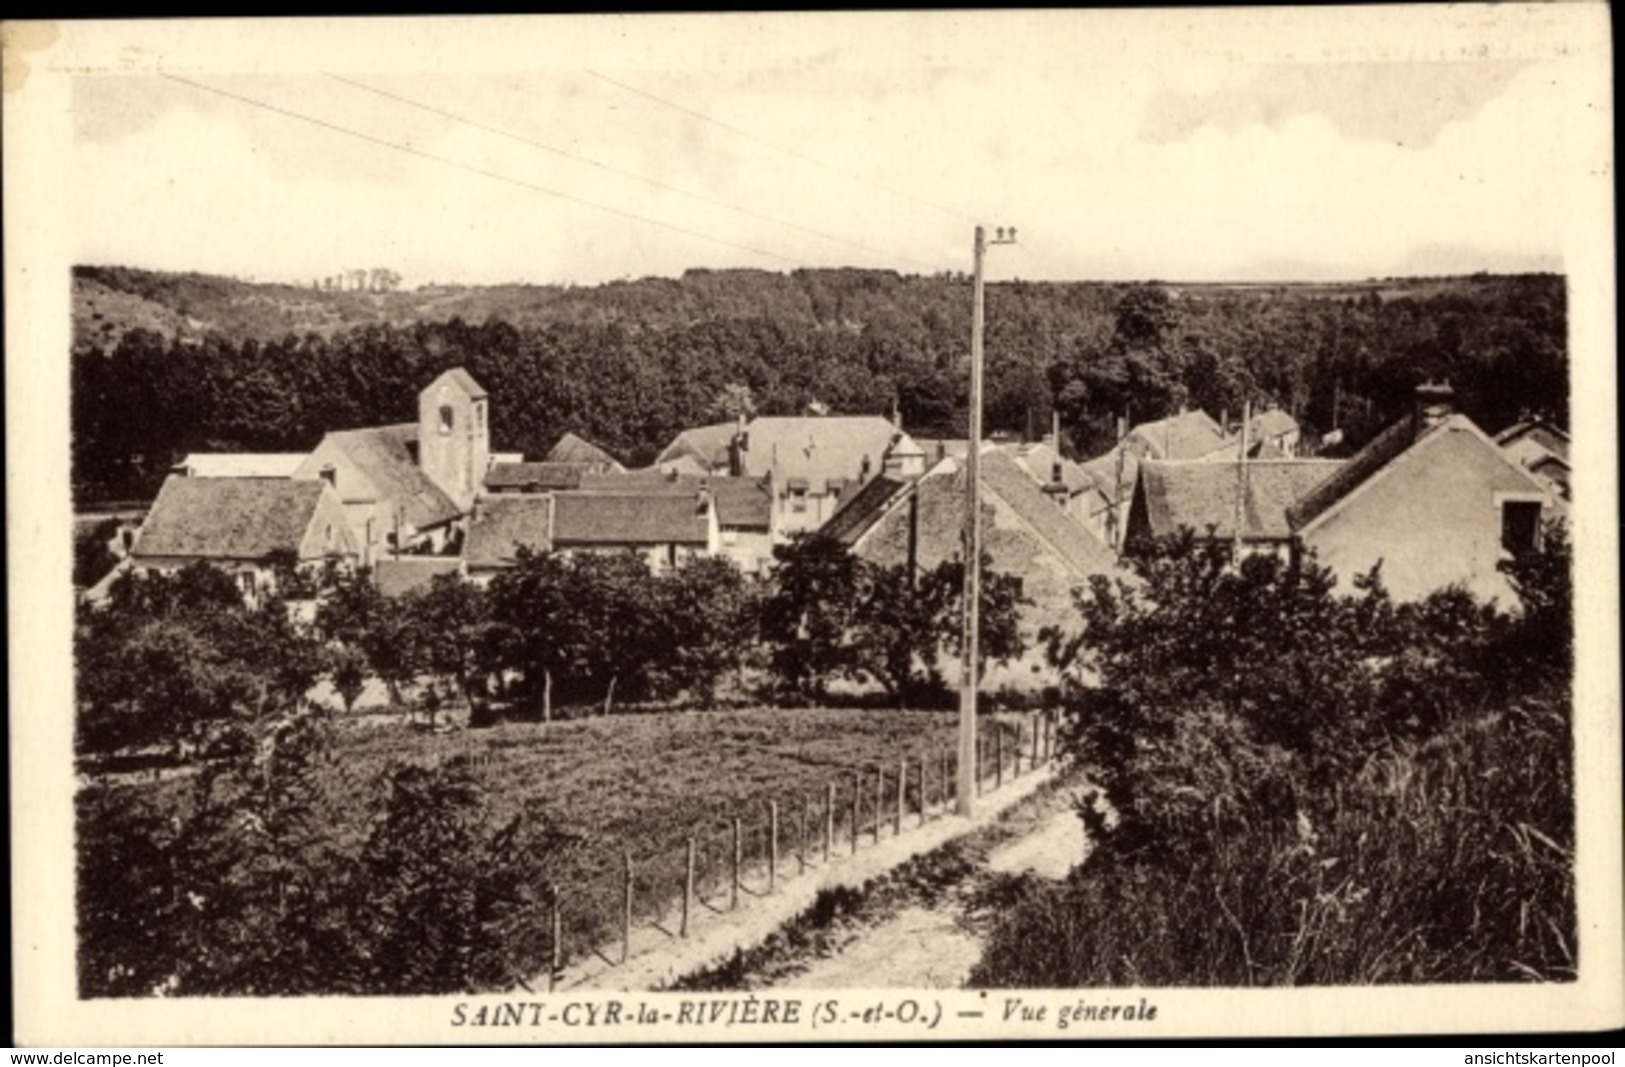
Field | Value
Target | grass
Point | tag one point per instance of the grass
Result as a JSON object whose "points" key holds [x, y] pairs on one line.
{"points": [[1449, 860], [639, 784]]}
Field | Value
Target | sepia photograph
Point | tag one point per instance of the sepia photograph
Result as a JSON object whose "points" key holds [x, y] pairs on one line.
{"points": [[908, 526]]}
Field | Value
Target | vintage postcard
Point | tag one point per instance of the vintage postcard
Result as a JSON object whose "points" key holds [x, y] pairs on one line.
{"points": [[908, 526]]}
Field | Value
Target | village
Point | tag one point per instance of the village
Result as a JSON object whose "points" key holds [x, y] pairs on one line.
{"points": [[1433, 499]]}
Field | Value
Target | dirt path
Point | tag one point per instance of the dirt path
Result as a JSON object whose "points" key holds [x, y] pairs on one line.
{"points": [[931, 945]]}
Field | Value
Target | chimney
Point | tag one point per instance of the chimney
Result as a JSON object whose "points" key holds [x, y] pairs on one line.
{"points": [[702, 500], [864, 471], [1435, 402]]}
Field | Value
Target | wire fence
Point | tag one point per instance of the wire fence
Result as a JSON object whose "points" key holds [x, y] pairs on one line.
{"points": [[728, 860]]}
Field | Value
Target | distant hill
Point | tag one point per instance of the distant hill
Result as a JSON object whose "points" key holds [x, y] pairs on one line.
{"points": [[165, 364], [108, 301]]}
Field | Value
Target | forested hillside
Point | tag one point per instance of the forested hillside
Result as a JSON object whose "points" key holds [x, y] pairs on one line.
{"points": [[166, 364]]}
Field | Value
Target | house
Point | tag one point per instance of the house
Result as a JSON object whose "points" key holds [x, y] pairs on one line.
{"points": [[582, 453], [921, 522], [1203, 497], [1433, 499], [1273, 433], [240, 464], [1187, 435], [701, 450], [1542, 449], [817, 461], [533, 477], [747, 510], [662, 528], [243, 526], [407, 487], [500, 527], [1074, 489]]}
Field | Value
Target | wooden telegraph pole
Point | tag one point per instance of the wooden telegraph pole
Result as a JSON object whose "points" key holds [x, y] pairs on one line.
{"points": [[966, 793]]}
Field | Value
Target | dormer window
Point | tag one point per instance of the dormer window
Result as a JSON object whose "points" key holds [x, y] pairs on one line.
{"points": [[445, 419]]}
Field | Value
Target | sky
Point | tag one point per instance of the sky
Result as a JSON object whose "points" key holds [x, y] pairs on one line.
{"points": [[1118, 147]]}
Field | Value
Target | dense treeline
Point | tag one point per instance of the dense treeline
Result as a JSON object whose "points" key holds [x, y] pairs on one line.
{"points": [[1398, 777], [628, 364]]}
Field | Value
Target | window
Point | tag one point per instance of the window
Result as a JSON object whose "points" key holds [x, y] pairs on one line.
{"points": [[1520, 526], [445, 419], [479, 415], [798, 500]]}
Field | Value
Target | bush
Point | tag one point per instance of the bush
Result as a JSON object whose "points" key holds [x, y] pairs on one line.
{"points": [[1294, 787]]}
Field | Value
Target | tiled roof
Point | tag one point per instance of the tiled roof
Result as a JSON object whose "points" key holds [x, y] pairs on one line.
{"points": [[382, 454], [1380, 451], [593, 518], [1544, 434], [573, 449], [826, 450], [1201, 495], [241, 464], [863, 509], [941, 517], [1273, 423], [229, 518], [1188, 435], [1038, 460], [534, 477], [397, 577], [503, 525], [742, 503], [706, 444], [1086, 553]]}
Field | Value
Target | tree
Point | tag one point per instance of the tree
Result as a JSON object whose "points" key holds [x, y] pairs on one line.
{"points": [[899, 623], [453, 619], [706, 621], [529, 601], [450, 892], [808, 612]]}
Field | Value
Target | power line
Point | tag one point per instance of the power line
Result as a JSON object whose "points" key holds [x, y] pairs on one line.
{"points": [[421, 154], [849, 175], [655, 183]]}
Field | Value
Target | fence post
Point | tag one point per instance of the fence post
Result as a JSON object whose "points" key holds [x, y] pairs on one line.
{"points": [[626, 913], [1038, 727], [733, 895], [902, 796], [880, 793], [555, 949], [947, 781], [998, 753], [1015, 753], [772, 845], [688, 889], [801, 838], [829, 820], [922, 790], [857, 787]]}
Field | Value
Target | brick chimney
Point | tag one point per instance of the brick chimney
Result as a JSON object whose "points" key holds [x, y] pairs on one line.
{"points": [[1435, 402]]}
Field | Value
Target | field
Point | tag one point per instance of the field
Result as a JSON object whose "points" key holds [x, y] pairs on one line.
{"points": [[639, 784]]}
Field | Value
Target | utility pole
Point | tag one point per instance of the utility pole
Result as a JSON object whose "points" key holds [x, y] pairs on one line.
{"points": [[965, 794]]}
